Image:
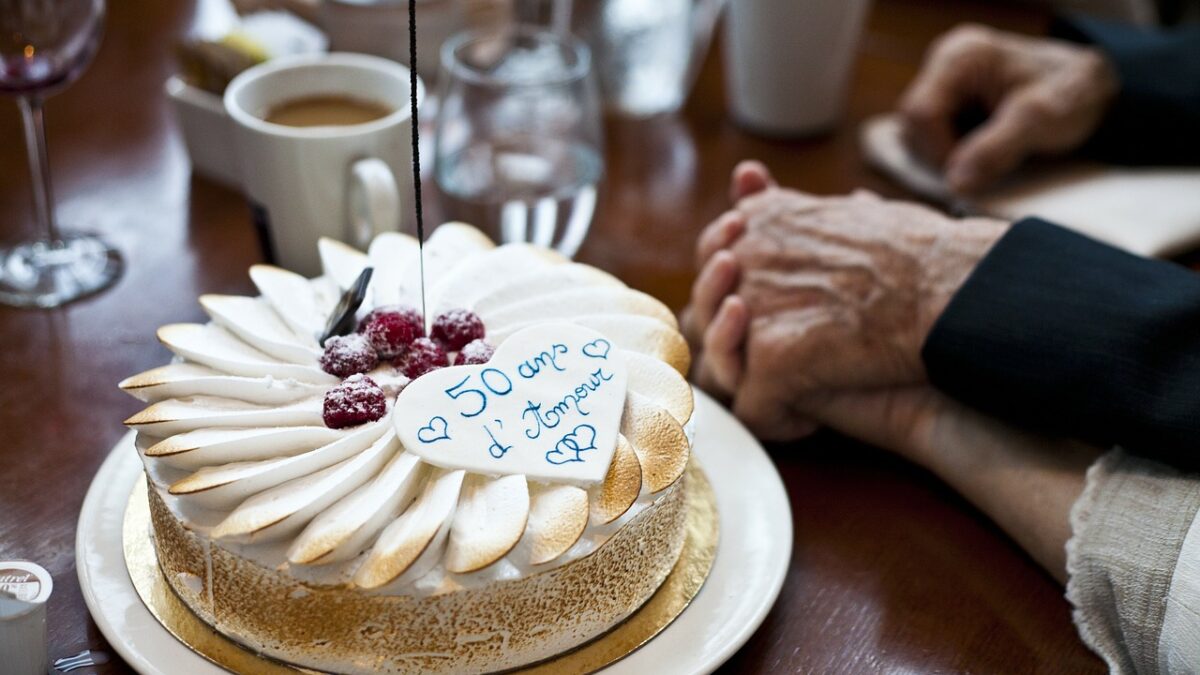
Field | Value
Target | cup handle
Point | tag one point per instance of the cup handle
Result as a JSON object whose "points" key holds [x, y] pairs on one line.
{"points": [[373, 201]]}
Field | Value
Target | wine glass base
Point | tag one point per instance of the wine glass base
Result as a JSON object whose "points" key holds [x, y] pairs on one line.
{"points": [[52, 273]]}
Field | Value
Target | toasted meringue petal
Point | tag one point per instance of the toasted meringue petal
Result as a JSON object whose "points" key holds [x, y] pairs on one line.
{"points": [[621, 487], [181, 380], [396, 259], [450, 245], [211, 447], [229, 484], [572, 302], [253, 320], [175, 415], [477, 274], [660, 383], [558, 515], [284, 509], [414, 542], [643, 334], [294, 298], [457, 239], [660, 443], [340, 262], [165, 374], [630, 332], [215, 347], [507, 291], [488, 523], [343, 530]]}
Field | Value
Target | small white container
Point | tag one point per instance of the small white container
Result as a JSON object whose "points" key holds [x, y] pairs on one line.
{"points": [[24, 590], [207, 132], [788, 62], [207, 128], [380, 28]]}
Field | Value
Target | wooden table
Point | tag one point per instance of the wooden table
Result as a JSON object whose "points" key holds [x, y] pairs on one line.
{"points": [[890, 571]]}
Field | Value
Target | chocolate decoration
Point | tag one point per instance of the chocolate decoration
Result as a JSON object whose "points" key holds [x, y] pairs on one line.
{"points": [[342, 321]]}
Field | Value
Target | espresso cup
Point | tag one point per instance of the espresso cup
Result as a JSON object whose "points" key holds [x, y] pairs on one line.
{"points": [[347, 181]]}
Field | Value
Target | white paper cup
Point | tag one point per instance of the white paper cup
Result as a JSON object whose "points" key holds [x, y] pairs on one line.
{"points": [[345, 182], [24, 590], [788, 62]]}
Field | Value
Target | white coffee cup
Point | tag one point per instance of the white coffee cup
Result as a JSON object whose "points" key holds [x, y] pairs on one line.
{"points": [[787, 62], [346, 182]]}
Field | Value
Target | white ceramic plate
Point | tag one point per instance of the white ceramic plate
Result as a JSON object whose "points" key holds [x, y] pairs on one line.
{"points": [[752, 561]]}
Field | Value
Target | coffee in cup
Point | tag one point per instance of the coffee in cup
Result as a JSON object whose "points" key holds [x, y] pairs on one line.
{"points": [[326, 111]]}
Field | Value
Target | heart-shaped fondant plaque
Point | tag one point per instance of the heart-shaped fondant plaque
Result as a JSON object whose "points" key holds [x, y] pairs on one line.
{"points": [[548, 405]]}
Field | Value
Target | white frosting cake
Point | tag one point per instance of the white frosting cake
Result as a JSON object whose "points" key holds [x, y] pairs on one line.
{"points": [[493, 515]]}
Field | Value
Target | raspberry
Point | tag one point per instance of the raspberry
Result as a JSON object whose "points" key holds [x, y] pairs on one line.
{"points": [[355, 401], [391, 329], [346, 355], [456, 327], [423, 355], [474, 352]]}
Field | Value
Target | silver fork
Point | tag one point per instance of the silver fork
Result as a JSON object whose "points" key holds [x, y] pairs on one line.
{"points": [[83, 659]]}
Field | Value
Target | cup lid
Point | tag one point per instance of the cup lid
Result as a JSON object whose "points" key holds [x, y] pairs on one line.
{"points": [[22, 585]]}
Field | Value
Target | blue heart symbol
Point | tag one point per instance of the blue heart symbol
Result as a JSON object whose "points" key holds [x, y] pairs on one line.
{"points": [[597, 349], [430, 433], [581, 439]]}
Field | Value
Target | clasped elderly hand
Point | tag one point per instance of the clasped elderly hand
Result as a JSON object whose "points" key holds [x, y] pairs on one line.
{"points": [[813, 310]]}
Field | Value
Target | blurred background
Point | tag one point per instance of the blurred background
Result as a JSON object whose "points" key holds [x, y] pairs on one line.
{"points": [[607, 128]]}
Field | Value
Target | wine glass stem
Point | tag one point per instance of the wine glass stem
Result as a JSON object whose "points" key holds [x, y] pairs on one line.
{"points": [[39, 167]]}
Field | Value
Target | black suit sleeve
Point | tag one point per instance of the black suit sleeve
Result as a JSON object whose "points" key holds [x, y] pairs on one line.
{"points": [[1061, 333], [1156, 116]]}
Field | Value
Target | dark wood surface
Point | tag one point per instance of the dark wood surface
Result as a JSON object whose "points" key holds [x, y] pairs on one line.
{"points": [[891, 572]]}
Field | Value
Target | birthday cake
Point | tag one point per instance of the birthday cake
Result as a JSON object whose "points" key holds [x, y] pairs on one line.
{"points": [[339, 483]]}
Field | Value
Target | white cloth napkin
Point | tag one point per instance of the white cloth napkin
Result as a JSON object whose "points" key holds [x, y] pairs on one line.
{"points": [[1151, 211]]}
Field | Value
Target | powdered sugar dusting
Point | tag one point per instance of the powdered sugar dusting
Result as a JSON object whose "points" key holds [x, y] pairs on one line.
{"points": [[454, 328], [355, 401], [346, 355], [392, 329], [474, 352], [422, 356]]}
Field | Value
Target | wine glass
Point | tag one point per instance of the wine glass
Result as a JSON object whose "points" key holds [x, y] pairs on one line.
{"points": [[44, 46], [519, 136]]}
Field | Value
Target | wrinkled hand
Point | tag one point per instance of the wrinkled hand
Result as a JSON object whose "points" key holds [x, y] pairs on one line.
{"points": [[1043, 96], [811, 308]]}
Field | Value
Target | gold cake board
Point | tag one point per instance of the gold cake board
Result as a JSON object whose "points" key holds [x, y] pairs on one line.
{"points": [[680, 586]]}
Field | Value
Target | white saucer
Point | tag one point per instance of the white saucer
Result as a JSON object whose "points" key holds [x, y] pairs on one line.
{"points": [[752, 561]]}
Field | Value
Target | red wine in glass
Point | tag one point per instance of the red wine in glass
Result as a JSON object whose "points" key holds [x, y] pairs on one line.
{"points": [[36, 73], [44, 46]]}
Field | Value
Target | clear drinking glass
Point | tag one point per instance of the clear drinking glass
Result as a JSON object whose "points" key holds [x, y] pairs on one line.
{"points": [[646, 52], [44, 46], [518, 137]]}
